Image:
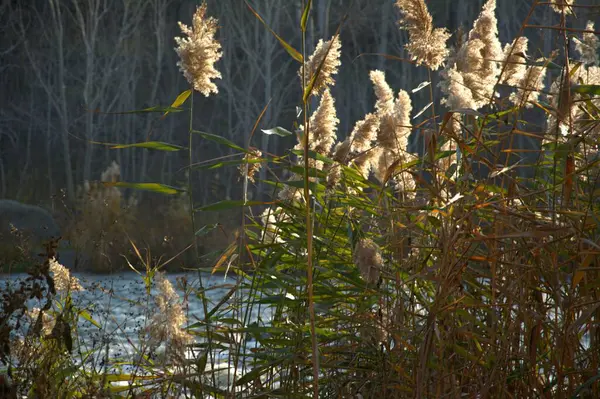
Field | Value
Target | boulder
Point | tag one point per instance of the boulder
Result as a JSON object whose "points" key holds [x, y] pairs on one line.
{"points": [[34, 221]]}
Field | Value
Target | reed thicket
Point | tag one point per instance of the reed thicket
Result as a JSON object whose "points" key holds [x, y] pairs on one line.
{"points": [[374, 272]]}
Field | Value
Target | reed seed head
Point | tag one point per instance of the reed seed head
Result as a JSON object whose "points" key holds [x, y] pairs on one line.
{"points": [[368, 260], [322, 129], [199, 51], [426, 45], [63, 281], [252, 167], [477, 61], [383, 92], [589, 46], [562, 5], [328, 53], [515, 55], [166, 324], [530, 85], [48, 321]]}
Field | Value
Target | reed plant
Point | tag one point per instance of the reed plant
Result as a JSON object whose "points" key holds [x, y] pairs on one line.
{"points": [[374, 272]]}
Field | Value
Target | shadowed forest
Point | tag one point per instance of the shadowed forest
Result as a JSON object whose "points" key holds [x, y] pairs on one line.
{"points": [[69, 68], [329, 198]]}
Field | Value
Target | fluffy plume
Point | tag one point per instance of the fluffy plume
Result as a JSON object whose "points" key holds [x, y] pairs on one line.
{"points": [[368, 260], [330, 65], [579, 115], [199, 51], [394, 129], [486, 30], [112, 173], [165, 325], [322, 127], [104, 195], [426, 45], [334, 176], [402, 110], [253, 167], [571, 117], [477, 61], [271, 218], [341, 151], [48, 321], [564, 104], [289, 193], [383, 92], [363, 153], [530, 85], [322, 136], [459, 95], [356, 149], [382, 163], [364, 132], [560, 5], [404, 182], [589, 46], [63, 281], [394, 115], [515, 54]]}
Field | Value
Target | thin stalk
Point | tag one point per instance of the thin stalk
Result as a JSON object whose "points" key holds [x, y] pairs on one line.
{"points": [[563, 29], [309, 243], [193, 221], [564, 356], [241, 248]]}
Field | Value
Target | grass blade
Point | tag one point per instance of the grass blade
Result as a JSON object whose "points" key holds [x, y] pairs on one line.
{"points": [[179, 100], [229, 204], [154, 187], [220, 140], [152, 145], [292, 51], [587, 89], [304, 19]]}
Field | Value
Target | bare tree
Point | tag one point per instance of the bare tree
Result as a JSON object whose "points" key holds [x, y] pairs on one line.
{"points": [[60, 60], [52, 78]]}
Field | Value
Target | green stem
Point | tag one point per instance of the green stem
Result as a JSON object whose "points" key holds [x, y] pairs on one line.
{"points": [[309, 238], [196, 251]]}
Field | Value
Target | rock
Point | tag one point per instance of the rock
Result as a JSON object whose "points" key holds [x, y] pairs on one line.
{"points": [[29, 219]]}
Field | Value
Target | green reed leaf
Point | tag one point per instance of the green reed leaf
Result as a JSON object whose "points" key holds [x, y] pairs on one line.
{"points": [[291, 51], [154, 187], [220, 140], [152, 145], [304, 19], [229, 204], [586, 89], [148, 110], [221, 164], [87, 316], [181, 98], [279, 131]]}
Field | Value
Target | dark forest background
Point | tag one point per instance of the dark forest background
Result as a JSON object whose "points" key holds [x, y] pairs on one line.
{"points": [[61, 59]]}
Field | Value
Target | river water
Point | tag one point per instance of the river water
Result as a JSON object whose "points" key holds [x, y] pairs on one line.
{"points": [[122, 307]]}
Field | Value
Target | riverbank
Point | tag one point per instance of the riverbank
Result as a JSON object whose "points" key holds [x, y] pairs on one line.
{"points": [[115, 312]]}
